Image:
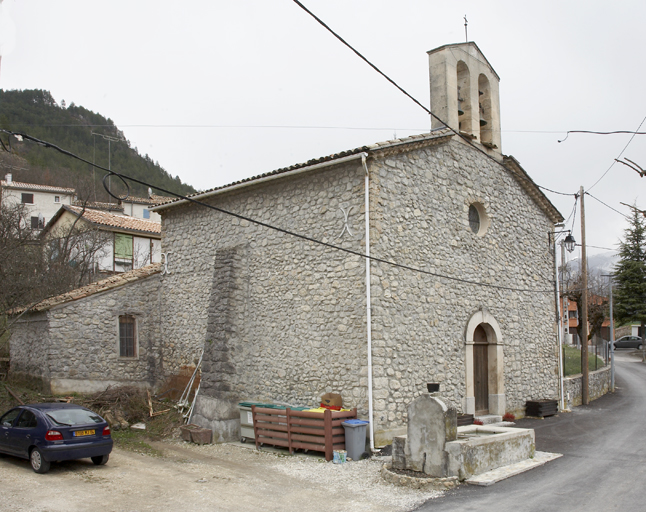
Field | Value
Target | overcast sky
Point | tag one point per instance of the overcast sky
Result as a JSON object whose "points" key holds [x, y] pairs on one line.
{"points": [[217, 91]]}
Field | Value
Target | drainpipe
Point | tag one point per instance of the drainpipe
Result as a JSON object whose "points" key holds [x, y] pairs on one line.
{"points": [[559, 319], [368, 305]]}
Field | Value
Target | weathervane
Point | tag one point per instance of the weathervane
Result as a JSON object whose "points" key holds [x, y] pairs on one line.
{"points": [[466, 36]]}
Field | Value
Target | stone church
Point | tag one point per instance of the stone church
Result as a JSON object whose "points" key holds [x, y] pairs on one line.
{"points": [[458, 289]]}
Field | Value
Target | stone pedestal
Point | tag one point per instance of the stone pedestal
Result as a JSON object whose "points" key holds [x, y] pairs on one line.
{"points": [[431, 424]]}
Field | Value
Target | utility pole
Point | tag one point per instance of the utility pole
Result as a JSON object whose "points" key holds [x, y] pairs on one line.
{"points": [[585, 391], [612, 336]]}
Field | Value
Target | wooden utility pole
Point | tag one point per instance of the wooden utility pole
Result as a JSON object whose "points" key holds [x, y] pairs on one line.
{"points": [[585, 391]]}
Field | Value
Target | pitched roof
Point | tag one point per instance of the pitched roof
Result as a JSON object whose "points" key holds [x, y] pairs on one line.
{"points": [[113, 222], [92, 289], [33, 186], [433, 137], [413, 142]]}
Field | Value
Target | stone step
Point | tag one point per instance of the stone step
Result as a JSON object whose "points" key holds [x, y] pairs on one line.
{"points": [[487, 419], [496, 475]]}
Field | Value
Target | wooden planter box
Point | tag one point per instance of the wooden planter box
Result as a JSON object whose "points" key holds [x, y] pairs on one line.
{"points": [[186, 431], [465, 419], [316, 431], [541, 408]]}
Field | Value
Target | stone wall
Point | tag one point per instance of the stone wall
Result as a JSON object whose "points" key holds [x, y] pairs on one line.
{"points": [[74, 346], [30, 347], [598, 385], [421, 219], [285, 319]]}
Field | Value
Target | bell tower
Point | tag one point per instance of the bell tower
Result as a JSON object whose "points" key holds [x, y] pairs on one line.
{"points": [[465, 93]]}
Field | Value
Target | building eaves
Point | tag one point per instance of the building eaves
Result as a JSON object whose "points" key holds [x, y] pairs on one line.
{"points": [[109, 283], [33, 186], [115, 222], [431, 138], [532, 189]]}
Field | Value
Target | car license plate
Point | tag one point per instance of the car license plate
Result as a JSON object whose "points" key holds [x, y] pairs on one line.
{"points": [[80, 433]]}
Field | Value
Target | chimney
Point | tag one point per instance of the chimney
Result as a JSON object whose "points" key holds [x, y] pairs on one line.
{"points": [[7, 178]]}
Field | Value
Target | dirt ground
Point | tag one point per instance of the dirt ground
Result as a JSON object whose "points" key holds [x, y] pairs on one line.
{"points": [[187, 477]]}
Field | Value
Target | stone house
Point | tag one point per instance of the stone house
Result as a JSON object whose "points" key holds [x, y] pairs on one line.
{"points": [[459, 290], [105, 333]]}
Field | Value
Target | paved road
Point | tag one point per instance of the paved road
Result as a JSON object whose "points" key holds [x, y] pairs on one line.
{"points": [[603, 465]]}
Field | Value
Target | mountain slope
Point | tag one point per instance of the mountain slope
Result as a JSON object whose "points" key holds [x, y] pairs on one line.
{"points": [[36, 113]]}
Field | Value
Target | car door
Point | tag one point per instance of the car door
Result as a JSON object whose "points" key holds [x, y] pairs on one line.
{"points": [[23, 432], [6, 424]]}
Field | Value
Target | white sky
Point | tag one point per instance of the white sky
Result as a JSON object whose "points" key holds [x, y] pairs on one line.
{"points": [[213, 89]]}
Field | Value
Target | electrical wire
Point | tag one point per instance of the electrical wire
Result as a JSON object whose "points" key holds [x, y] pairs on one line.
{"points": [[622, 152], [434, 116], [607, 206], [555, 192], [275, 228]]}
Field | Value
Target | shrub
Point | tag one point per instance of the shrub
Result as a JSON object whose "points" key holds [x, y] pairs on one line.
{"points": [[478, 422], [508, 417]]}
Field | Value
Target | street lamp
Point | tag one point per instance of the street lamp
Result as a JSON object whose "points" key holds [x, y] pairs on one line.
{"points": [[569, 242]]}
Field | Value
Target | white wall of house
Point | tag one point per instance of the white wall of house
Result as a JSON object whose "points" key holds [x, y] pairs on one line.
{"points": [[140, 211], [145, 250], [41, 202]]}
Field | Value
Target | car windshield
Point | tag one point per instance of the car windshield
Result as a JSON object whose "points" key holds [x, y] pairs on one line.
{"points": [[74, 417]]}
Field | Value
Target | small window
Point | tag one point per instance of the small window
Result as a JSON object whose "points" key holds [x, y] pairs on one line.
{"points": [[8, 419], [37, 222], [146, 213], [478, 219], [27, 198], [57, 199], [127, 336], [474, 219]]}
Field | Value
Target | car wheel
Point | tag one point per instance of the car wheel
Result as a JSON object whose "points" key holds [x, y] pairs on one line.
{"points": [[38, 462], [100, 460], [639, 347]]}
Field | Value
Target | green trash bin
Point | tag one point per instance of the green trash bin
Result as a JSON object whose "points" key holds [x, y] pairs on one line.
{"points": [[355, 438]]}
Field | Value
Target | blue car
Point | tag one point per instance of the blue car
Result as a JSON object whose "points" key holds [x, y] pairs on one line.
{"points": [[52, 432]]}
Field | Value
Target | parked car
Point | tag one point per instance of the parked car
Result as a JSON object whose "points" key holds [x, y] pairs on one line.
{"points": [[629, 342], [53, 432]]}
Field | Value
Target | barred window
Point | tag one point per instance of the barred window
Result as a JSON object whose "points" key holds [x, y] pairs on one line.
{"points": [[127, 336]]}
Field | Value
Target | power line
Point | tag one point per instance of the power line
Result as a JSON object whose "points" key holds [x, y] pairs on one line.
{"points": [[555, 192], [607, 206], [622, 152], [272, 227]]}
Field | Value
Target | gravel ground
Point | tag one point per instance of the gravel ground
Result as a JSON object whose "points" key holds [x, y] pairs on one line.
{"points": [[231, 477]]}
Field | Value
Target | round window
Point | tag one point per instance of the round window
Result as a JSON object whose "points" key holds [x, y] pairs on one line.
{"points": [[478, 219], [474, 219]]}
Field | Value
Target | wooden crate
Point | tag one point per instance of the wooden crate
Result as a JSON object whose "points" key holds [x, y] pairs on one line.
{"points": [[541, 408], [316, 431]]}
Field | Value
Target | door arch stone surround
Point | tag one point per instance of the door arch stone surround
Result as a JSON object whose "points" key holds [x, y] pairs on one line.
{"points": [[495, 356]]}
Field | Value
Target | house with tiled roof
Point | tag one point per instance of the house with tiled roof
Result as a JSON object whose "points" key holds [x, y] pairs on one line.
{"points": [[369, 273], [133, 242], [42, 201], [103, 334]]}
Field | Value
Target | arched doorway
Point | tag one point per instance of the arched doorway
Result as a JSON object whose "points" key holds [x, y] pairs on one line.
{"points": [[485, 382], [481, 371]]}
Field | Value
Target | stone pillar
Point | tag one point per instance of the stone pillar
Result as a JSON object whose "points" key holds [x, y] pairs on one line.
{"points": [[430, 425]]}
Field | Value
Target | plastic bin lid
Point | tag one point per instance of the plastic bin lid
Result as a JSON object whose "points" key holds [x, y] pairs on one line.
{"points": [[259, 404], [355, 422]]}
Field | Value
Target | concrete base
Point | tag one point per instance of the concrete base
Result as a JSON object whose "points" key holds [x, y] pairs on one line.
{"points": [[496, 475], [479, 449], [497, 404], [65, 386], [488, 419], [221, 416]]}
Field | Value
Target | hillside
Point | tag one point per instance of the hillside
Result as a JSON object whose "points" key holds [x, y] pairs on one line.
{"points": [[35, 112]]}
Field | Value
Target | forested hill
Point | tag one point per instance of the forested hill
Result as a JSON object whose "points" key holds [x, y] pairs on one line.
{"points": [[36, 113]]}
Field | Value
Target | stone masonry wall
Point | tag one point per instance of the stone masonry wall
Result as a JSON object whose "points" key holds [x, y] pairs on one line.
{"points": [[421, 219], [29, 347], [295, 326], [81, 351], [598, 385], [293, 312]]}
